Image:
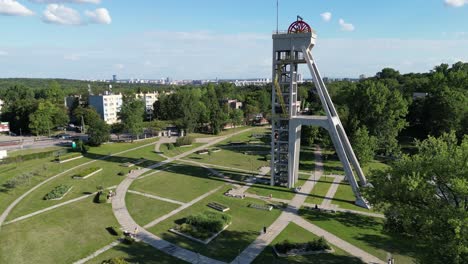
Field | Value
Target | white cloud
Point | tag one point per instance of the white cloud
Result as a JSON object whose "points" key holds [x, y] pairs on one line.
{"points": [[99, 16], [13, 8], [67, 1], [456, 3], [326, 16], [3, 53], [346, 26], [72, 57], [62, 15]]}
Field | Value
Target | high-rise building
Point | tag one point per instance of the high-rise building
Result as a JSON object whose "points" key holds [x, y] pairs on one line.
{"points": [[114, 78], [107, 106]]}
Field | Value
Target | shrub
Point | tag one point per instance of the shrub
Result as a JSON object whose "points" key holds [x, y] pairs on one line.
{"points": [[102, 197], [128, 240], [209, 221], [314, 245], [121, 173], [57, 192], [18, 180], [67, 156], [115, 231], [170, 146], [116, 260], [184, 141]]}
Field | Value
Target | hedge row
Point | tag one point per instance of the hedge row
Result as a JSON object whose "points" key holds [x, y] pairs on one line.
{"points": [[21, 158], [210, 221], [184, 141], [57, 192], [314, 245]]}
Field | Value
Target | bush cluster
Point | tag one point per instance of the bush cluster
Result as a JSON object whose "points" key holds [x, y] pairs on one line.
{"points": [[314, 245], [208, 221], [184, 141], [18, 180], [57, 192], [170, 146]]}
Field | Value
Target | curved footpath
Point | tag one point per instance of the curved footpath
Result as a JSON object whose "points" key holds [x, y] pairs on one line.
{"points": [[126, 221], [19, 199]]}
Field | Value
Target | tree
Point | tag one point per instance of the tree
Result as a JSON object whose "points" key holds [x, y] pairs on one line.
{"points": [[98, 133], [364, 146], [131, 115], [381, 110], [237, 117], [426, 196], [46, 117]]}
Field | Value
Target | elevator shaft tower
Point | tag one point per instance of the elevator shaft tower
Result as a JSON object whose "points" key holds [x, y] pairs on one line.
{"points": [[291, 48]]}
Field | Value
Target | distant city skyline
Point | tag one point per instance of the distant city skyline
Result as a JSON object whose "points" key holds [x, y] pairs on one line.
{"points": [[208, 39]]}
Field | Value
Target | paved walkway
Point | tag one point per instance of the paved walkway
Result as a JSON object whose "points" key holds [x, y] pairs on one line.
{"points": [[353, 250], [183, 207], [7, 211], [332, 191], [126, 221], [156, 197], [263, 240]]}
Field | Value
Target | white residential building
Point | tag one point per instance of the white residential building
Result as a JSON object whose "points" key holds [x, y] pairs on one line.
{"points": [[148, 99], [107, 105]]}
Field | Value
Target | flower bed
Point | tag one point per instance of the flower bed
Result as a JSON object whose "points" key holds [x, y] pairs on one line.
{"points": [[317, 246], [68, 157], [203, 227], [87, 173], [58, 192], [218, 207]]}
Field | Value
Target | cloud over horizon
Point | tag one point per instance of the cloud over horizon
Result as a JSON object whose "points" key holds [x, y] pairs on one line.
{"points": [[14, 8], [61, 15], [346, 26], [66, 1], [326, 16], [455, 3], [99, 16]]}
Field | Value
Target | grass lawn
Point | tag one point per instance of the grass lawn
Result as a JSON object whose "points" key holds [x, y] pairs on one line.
{"points": [[147, 153], [297, 234], [247, 136], [276, 191], [307, 159], [331, 163], [246, 226], [144, 210], [345, 198], [182, 183], [137, 253], [63, 235], [223, 133], [235, 158], [320, 190], [366, 233], [40, 168], [177, 150], [110, 148]]}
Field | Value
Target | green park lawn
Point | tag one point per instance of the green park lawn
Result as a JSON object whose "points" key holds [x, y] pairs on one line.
{"points": [[246, 226], [307, 159], [276, 191], [366, 233], [177, 150], [222, 133], [112, 148], [319, 191], [63, 235], [144, 210], [234, 158], [41, 169], [345, 198], [246, 137], [147, 153], [181, 183], [136, 253], [297, 234]]}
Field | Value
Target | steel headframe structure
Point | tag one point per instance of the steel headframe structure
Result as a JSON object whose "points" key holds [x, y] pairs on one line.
{"points": [[291, 48]]}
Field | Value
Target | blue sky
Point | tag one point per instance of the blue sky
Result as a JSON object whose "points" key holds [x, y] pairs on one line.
{"points": [[200, 39]]}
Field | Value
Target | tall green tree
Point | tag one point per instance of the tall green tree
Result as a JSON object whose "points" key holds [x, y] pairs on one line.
{"points": [[98, 133], [426, 196], [131, 115], [364, 145]]}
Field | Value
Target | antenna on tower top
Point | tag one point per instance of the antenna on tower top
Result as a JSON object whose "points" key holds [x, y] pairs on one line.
{"points": [[277, 15]]}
